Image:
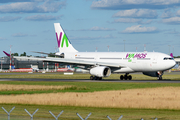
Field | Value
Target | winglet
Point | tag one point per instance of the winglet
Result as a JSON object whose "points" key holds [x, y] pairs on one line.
{"points": [[171, 55], [7, 54]]}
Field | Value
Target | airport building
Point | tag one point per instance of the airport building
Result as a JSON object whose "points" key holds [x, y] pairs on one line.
{"points": [[177, 61], [24, 63]]}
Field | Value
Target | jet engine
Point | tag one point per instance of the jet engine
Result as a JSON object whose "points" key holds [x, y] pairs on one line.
{"points": [[100, 71]]}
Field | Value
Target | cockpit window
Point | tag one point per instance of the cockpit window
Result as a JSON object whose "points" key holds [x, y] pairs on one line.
{"points": [[168, 58]]}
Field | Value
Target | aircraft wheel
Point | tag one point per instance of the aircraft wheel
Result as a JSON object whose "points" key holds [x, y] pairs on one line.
{"points": [[96, 78], [121, 77], [100, 78], [91, 77], [130, 77], [125, 77], [159, 78]]}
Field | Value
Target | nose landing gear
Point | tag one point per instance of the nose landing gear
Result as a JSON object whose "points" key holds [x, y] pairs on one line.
{"points": [[126, 77], [160, 73]]}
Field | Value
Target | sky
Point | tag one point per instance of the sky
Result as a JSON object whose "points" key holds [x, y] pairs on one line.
{"points": [[90, 25]]}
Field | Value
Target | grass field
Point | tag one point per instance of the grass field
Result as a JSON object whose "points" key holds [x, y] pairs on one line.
{"points": [[166, 76], [79, 88]]}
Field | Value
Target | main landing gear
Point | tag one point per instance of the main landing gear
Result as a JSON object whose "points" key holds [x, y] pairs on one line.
{"points": [[126, 77], [95, 78]]}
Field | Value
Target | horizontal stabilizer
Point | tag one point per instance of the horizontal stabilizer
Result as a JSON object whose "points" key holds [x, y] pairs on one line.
{"points": [[7, 54]]}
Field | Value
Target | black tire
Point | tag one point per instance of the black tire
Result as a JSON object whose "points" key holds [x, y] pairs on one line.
{"points": [[125, 77], [159, 78], [130, 77], [91, 77], [100, 78], [121, 77]]}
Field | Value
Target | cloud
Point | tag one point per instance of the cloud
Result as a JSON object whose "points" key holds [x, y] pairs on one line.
{"points": [[43, 17], [173, 32], [127, 20], [178, 13], [167, 14], [139, 29], [93, 38], [2, 38], [7, 1], [131, 4], [146, 22], [32, 7], [101, 29], [19, 35], [98, 29], [135, 13], [172, 20], [9, 18]]}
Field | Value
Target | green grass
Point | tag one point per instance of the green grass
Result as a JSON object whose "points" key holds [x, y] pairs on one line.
{"points": [[97, 113], [166, 76], [83, 86]]}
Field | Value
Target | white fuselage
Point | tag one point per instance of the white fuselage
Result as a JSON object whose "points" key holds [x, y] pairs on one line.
{"points": [[129, 61]]}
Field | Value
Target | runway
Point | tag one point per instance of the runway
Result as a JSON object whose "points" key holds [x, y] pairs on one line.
{"points": [[87, 80]]}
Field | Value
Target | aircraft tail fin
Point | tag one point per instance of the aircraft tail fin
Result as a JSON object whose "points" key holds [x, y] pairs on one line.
{"points": [[171, 54], [64, 44]]}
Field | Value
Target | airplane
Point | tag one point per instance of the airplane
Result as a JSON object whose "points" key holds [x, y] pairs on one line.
{"points": [[102, 64]]}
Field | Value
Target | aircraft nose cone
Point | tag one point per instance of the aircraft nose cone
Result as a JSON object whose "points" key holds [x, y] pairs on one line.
{"points": [[173, 63], [170, 64]]}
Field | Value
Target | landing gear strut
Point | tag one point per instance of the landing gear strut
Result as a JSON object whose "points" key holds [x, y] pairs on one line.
{"points": [[95, 78], [126, 77], [160, 73], [160, 77]]}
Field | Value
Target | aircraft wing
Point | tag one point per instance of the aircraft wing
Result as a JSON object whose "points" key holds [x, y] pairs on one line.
{"points": [[72, 61], [48, 54]]}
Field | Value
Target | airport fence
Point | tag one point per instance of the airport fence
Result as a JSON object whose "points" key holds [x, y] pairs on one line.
{"points": [[7, 116]]}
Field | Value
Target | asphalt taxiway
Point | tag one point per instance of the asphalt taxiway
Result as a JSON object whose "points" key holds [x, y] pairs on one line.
{"points": [[87, 80]]}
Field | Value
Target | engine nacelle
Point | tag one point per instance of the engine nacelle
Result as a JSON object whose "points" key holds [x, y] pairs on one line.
{"points": [[154, 74], [101, 71]]}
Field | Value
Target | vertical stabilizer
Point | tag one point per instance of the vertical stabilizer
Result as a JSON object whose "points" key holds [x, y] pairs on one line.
{"points": [[171, 54], [64, 44]]}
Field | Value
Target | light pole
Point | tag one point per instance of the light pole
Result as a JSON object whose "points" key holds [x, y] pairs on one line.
{"points": [[144, 47], [124, 45], [10, 58], [108, 48], [169, 49], [173, 49]]}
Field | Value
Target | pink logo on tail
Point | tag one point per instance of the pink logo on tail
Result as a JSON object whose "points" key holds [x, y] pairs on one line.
{"points": [[59, 40]]}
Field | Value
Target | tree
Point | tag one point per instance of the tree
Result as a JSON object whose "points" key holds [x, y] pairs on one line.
{"points": [[51, 55], [16, 54], [24, 54]]}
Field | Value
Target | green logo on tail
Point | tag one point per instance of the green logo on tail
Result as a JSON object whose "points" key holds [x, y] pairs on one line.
{"points": [[65, 39]]}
